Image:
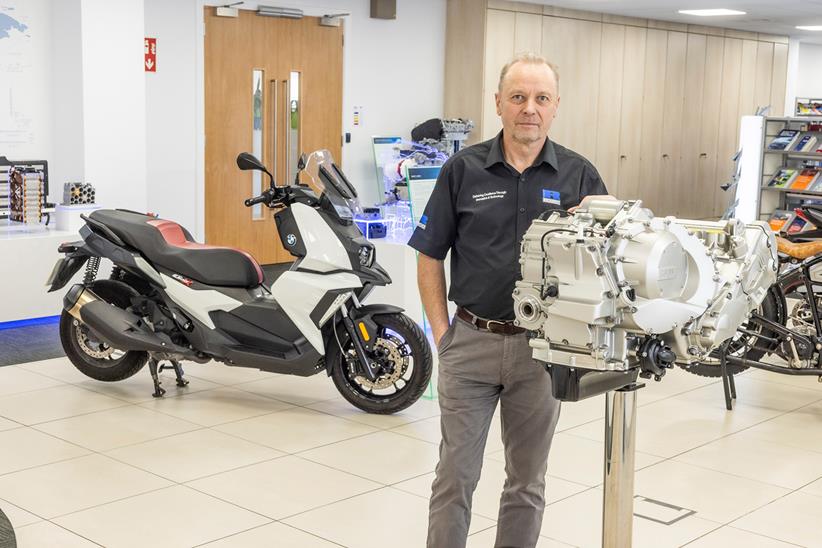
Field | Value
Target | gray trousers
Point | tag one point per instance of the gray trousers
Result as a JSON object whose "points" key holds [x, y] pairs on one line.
{"points": [[477, 369]]}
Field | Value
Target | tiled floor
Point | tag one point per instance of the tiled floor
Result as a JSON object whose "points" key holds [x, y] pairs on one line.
{"points": [[242, 458]]}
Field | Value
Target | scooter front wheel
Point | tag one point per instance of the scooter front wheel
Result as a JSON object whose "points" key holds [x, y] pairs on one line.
{"points": [[405, 358]]}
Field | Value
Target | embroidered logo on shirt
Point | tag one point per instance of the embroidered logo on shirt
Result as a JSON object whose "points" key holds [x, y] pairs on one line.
{"points": [[423, 222], [489, 195], [550, 197]]}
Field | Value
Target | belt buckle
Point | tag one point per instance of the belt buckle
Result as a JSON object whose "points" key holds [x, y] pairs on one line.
{"points": [[488, 324]]}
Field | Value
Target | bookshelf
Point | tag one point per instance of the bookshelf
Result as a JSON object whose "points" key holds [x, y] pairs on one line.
{"points": [[773, 198]]}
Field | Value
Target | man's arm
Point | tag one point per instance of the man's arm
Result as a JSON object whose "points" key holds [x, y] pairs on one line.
{"points": [[431, 282]]}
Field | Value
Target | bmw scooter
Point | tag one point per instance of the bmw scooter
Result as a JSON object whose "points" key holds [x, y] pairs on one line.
{"points": [[171, 299]]}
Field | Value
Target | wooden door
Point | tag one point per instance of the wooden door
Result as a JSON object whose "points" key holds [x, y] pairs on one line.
{"points": [[273, 87]]}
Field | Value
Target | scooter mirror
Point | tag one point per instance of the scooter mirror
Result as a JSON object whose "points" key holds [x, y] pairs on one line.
{"points": [[246, 161]]}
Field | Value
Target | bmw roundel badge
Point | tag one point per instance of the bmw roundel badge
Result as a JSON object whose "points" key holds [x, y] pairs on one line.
{"points": [[291, 239]]}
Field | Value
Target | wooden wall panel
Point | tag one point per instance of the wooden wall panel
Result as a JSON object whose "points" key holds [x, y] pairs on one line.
{"points": [[764, 73], [672, 118], [499, 48], [706, 186], [606, 159], [527, 33], [464, 62], [631, 114], [747, 84], [579, 74], [778, 77], [728, 119], [656, 49], [685, 202]]}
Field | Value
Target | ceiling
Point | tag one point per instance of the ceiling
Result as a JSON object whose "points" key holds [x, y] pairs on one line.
{"points": [[767, 16]]}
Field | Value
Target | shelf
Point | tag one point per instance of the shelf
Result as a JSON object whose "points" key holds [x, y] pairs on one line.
{"points": [[794, 191], [799, 155]]}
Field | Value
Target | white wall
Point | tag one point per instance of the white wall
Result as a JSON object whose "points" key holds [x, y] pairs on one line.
{"points": [[67, 159], [114, 104], [809, 77], [171, 111]]}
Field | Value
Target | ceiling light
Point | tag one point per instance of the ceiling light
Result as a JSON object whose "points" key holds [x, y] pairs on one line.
{"points": [[809, 27], [711, 12]]}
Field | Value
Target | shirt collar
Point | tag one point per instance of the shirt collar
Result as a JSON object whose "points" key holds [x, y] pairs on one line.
{"points": [[547, 155]]}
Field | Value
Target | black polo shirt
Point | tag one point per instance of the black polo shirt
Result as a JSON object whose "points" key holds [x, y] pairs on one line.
{"points": [[480, 209]]}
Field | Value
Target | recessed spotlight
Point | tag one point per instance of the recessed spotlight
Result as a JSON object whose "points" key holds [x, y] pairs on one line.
{"points": [[809, 27], [711, 12]]}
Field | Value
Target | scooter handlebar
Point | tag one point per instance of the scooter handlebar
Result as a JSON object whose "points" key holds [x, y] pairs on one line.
{"points": [[267, 197]]}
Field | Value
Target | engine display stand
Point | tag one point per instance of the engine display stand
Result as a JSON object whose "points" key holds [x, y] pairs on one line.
{"points": [[618, 484]]}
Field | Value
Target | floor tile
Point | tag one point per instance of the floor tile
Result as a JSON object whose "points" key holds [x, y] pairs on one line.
{"points": [[17, 516], [581, 460], [421, 409], [486, 539], [802, 381], [217, 406], [192, 455], [801, 428], [45, 533], [295, 429], [382, 456], [293, 389], [725, 537], [578, 521], [32, 448], [814, 488], [713, 495], [573, 414], [54, 403], [675, 425], [273, 534], [72, 485], [744, 455], [14, 380], [105, 430], [223, 374], [139, 388], [429, 430], [173, 517], [6, 424], [58, 368], [402, 519], [752, 393], [486, 497], [676, 381], [283, 487], [795, 518]]}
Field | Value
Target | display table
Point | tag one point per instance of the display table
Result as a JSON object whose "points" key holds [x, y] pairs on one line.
{"points": [[27, 256]]}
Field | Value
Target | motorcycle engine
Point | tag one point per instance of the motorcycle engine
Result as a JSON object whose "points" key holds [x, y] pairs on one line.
{"points": [[612, 285]]}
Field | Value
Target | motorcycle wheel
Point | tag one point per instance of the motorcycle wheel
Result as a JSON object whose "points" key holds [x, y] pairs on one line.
{"points": [[91, 356], [711, 367], [405, 354]]}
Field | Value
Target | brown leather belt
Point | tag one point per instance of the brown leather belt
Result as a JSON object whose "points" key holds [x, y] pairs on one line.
{"points": [[494, 326]]}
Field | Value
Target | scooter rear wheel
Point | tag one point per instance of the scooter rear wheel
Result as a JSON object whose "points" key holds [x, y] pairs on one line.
{"points": [[402, 347], [92, 357]]}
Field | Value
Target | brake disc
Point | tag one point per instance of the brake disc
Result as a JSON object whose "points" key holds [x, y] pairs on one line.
{"points": [[390, 346], [103, 351]]}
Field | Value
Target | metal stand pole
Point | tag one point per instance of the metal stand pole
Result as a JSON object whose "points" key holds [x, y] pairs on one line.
{"points": [[620, 442]]}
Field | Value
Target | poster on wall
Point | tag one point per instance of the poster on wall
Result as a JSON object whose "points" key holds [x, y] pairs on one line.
{"points": [[421, 181], [22, 81]]}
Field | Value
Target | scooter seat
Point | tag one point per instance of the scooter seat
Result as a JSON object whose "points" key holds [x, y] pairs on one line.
{"points": [[798, 250], [171, 246]]}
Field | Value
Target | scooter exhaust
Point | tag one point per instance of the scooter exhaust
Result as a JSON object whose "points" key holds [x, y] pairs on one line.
{"points": [[116, 327]]}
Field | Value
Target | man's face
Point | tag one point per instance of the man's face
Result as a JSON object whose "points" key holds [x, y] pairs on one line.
{"points": [[528, 102]]}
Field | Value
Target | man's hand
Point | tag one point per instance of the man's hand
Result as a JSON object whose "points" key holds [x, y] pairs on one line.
{"points": [[585, 201], [431, 282]]}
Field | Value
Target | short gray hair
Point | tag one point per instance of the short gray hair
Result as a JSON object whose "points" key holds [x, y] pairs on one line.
{"points": [[530, 58]]}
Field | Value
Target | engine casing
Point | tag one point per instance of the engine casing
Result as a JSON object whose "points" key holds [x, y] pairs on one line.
{"points": [[597, 283]]}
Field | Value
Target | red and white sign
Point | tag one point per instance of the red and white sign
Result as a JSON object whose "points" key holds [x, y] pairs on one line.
{"points": [[150, 53]]}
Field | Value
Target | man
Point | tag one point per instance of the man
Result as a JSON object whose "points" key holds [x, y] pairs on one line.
{"points": [[485, 199]]}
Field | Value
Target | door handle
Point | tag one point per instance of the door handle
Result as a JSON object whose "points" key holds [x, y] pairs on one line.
{"points": [[703, 154]]}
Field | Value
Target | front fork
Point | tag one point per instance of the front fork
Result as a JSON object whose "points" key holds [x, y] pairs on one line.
{"points": [[362, 337]]}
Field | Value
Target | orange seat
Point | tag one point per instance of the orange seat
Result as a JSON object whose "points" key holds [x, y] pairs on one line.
{"points": [[797, 250]]}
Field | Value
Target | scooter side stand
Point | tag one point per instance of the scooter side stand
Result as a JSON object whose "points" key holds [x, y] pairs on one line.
{"points": [[155, 377]]}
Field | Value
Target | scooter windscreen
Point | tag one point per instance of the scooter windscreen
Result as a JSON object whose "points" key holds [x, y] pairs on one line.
{"points": [[329, 179]]}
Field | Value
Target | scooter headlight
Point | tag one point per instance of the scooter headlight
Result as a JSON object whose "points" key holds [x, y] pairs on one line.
{"points": [[366, 255]]}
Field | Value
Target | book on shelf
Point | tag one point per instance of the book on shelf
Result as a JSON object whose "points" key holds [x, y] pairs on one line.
{"points": [[784, 139], [784, 177], [780, 218], [806, 143], [798, 224], [806, 178]]}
